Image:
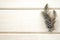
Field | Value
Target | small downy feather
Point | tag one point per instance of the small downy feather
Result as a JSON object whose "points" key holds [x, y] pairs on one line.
{"points": [[49, 21]]}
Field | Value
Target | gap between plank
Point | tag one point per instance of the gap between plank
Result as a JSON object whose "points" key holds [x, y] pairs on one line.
{"points": [[28, 8], [29, 32]]}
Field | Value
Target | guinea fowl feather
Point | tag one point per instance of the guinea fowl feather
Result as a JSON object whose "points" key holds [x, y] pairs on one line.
{"points": [[49, 21]]}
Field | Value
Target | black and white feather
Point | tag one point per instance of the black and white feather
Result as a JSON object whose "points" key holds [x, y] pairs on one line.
{"points": [[49, 21]]}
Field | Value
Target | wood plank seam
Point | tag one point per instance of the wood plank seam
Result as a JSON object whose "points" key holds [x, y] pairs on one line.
{"points": [[28, 8], [29, 32]]}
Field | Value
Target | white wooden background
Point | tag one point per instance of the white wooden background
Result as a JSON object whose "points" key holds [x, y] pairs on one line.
{"points": [[29, 37], [27, 20]]}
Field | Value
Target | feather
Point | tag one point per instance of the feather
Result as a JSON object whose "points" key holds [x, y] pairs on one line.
{"points": [[49, 21]]}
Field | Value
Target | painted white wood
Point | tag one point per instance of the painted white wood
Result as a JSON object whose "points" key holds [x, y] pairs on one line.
{"points": [[29, 36], [29, 3], [25, 21], [21, 21]]}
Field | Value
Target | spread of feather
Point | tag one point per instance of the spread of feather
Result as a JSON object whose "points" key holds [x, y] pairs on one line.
{"points": [[49, 19]]}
